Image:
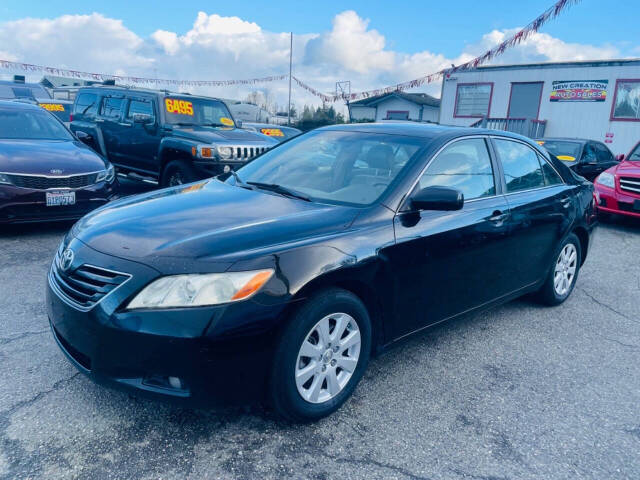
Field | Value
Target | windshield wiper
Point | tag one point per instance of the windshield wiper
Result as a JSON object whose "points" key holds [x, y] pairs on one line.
{"points": [[274, 187], [212, 125], [239, 181], [185, 124]]}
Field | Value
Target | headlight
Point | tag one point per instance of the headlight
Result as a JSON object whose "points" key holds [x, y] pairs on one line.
{"points": [[107, 175], [607, 180], [225, 152], [4, 178], [200, 289]]}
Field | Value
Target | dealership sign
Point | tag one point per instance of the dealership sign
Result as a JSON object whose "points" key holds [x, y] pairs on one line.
{"points": [[579, 91]]}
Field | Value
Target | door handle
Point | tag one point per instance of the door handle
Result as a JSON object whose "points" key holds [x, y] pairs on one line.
{"points": [[566, 202], [498, 217], [124, 124]]}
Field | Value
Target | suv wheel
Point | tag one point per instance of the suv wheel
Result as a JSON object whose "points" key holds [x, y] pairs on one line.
{"points": [[321, 356], [177, 172], [563, 273]]}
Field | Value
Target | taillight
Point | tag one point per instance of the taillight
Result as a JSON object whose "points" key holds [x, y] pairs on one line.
{"points": [[71, 117]]}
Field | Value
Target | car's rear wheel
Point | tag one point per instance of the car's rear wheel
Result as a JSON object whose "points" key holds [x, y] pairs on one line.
{"points": [[563, 273], [321, 356], [176, 173]]}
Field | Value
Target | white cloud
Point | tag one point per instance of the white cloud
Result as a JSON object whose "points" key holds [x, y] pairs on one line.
{"points": [[218, 47]]}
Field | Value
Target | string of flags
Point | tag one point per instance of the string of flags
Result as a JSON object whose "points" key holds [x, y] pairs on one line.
{"points": [[520, 36]]}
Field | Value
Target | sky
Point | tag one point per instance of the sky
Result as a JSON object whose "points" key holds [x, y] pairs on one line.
{"points": [[372, 43]]}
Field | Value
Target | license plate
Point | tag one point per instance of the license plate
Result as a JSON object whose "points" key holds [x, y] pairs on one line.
{"points": [[636, 205], [60, 199]]}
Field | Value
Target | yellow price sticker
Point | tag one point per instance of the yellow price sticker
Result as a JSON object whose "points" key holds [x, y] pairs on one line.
{"points": [[226, 121], [180, 107], [567, 158], [52, 107], [272, 132]]}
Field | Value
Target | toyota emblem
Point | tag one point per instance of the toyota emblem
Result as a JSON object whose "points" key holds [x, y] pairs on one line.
{"points": [[67, 259]]}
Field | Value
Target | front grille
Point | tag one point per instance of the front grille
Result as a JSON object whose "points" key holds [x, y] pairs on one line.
{"points": [[41, 182], [630, 184], [242, 153], [85, 286]]}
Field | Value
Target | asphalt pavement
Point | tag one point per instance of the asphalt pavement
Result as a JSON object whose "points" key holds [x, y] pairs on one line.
{"points": [[519, 392]]}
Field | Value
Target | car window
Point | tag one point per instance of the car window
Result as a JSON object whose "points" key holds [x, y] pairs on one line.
{"points": [[567, 151], [635, 155], [139, 106], [86, 105], [603, 154], [551, 177], [32, 125], [111, 107], [588, 154], [464, 165], [336, 167], [522, 170]]}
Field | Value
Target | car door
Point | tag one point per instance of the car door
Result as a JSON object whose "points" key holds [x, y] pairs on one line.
{"points": [[604, 157], [449, 262], [138, 142], [588, 162], [108, 122], [541, 208]]}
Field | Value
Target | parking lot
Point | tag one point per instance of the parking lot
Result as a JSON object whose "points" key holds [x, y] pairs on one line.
{"points": [[520, 392]]}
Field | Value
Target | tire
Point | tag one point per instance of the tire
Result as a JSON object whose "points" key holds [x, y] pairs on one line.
{"points": [[338, 308], [568, 266], [177, 172]]}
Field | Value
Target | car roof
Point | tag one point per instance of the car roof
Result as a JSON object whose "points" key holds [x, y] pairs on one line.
{"points": [[159, 93], [421, 130], [13, 105], [564, 139]]}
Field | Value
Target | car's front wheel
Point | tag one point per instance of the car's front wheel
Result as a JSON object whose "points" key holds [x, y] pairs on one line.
{"points": [[321, 356], [563, 273], [176, 173]]}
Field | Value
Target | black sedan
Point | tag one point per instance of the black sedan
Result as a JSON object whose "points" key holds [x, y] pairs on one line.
{"points": [[280, 283], [587, 158], [45, 172]]}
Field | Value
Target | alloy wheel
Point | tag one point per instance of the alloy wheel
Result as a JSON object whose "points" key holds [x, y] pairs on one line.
{"points": [[565, 270], [175, 179], [327, 358]]}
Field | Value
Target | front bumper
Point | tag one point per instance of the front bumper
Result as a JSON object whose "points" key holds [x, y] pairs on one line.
{"points": [[140, 351], [19, 205], [611, 200]]}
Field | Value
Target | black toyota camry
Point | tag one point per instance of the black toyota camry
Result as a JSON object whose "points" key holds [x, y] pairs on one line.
{"points": [[279, 283]]}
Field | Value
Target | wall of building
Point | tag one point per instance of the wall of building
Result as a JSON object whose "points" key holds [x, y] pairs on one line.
{"points": [[380, 110], [564, 119]]}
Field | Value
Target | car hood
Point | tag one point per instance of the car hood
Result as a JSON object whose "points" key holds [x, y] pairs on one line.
{"points": [[39, 157], [628, 168], [228, 135], [205, 222]]}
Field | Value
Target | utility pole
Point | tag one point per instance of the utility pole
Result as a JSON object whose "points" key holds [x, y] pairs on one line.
{"points": [[290, 66]]}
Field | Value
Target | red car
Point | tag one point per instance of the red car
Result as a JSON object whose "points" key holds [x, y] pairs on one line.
{"points": [[617, 189]]}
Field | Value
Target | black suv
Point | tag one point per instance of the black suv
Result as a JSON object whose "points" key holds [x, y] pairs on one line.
{"points": [[166, 137]]}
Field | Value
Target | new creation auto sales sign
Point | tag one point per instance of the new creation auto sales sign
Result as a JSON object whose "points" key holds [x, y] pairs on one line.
{"points": [[579, 91]]}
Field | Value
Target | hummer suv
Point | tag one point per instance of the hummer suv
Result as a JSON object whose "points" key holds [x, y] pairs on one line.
{"points": [[161, 136]]}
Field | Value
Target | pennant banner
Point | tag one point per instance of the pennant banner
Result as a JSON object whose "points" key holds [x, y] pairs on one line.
{"points": [[101, 77], [512, 41]]}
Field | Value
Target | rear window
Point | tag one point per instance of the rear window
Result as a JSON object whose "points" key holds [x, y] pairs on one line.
{"points": [[566, 151], [86, 105], [60, 110]]}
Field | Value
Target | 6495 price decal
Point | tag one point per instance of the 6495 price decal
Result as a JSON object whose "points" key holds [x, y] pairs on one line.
{"points": [[181, 107]]}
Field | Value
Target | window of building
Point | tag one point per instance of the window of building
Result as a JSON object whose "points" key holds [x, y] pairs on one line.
{"points": [[397, 115], [464, 165], [521, 165], [626, 101], [473, 99]]}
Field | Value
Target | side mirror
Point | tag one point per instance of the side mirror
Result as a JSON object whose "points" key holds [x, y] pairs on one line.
{"points": [[84, 137], [437, 198], [142, 119], [620, 157]]}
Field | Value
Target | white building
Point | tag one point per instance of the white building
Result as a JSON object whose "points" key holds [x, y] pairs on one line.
{"points": [[598, 100], [418, 107]]}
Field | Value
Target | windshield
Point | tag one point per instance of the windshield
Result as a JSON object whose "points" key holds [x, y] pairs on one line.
{"points": [[351, 168], [31, 125], [197, 111], [567, 151], [635, 155]]}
